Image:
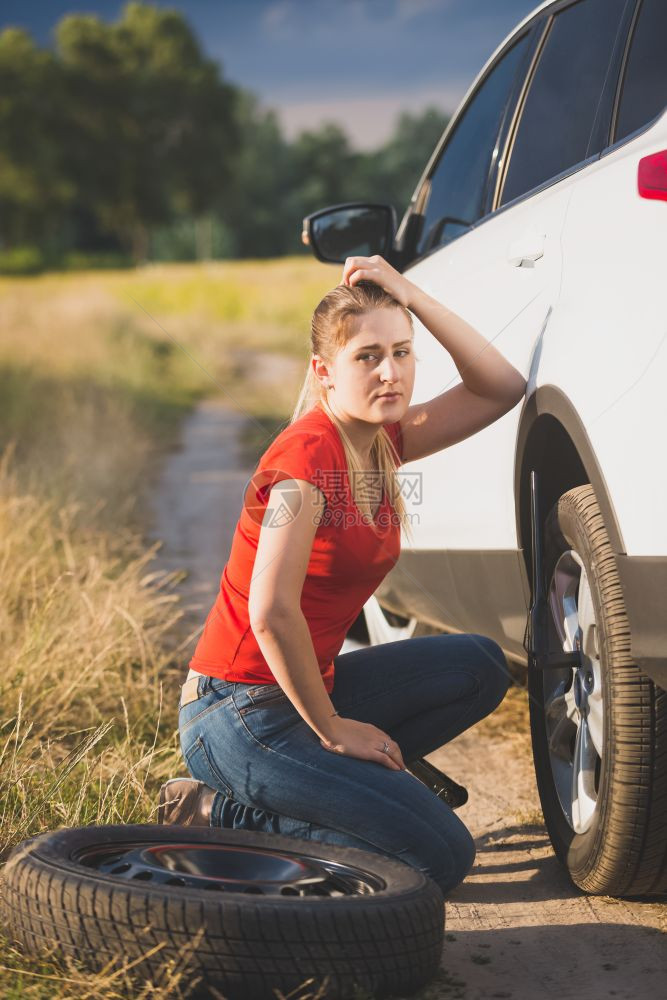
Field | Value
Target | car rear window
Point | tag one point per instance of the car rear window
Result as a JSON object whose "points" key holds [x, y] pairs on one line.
{"points": [[644, 87]]}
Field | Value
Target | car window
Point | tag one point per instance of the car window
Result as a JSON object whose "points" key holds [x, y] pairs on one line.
{"points": [[644, 93], [562, 100], [454, 193]]}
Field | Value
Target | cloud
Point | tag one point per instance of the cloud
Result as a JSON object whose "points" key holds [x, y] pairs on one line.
{"points": [[278, 17], [287, 18], [407, 9]]}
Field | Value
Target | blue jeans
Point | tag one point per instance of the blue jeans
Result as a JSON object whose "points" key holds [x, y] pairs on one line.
{"points": [[272, 774]]}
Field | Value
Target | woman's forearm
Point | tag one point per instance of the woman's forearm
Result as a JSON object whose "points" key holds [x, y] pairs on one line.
{"points": [[287, 646]]}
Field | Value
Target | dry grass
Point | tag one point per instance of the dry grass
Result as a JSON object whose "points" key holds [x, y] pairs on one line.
{"points": [[59, 978], [510, 721], [529, 817], [96, 372], [81, 688], [85, 736]]}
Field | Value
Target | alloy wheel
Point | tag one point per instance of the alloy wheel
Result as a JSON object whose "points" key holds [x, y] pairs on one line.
{"points": [[573, 705]]}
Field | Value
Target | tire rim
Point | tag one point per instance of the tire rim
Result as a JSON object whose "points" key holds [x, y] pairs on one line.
{"points": [[229, 868], [573, 704], [384, 626]]}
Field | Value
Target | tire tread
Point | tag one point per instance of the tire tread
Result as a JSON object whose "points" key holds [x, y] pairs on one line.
{"points": [[248, 947], [630, 857]]}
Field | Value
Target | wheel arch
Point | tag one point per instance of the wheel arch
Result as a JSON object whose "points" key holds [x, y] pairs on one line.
{"points": [[553, 441]]}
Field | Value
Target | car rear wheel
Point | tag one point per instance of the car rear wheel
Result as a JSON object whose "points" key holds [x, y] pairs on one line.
{"points": [[599, 730]]}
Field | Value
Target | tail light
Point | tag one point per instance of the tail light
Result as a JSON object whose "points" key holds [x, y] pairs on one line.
{"points": [[652, 176]]}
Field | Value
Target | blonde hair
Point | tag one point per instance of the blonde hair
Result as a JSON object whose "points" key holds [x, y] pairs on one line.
{"points": [[330, 330]]}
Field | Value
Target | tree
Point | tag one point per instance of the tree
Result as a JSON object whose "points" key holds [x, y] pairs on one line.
{"points": [[324, 170], [391, 173], [252, 204], [34, 186], [152, 127], [127, 130]]}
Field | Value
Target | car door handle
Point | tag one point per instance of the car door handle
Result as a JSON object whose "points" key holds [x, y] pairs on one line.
{"points": [[526, 250]]}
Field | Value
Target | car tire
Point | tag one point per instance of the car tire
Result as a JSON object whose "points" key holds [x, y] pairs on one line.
{"points": [[288, 910], [599, 732]]}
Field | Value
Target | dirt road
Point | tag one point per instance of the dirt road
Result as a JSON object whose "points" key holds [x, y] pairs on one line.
{"points": [[516, 927]]}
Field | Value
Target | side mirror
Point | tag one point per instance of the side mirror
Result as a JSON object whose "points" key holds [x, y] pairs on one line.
{"points": [[353, 229]]}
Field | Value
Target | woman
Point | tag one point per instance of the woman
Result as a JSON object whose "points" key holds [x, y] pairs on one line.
{"points": [[279, 732]]}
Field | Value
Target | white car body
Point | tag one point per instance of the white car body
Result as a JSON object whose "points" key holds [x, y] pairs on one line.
{"points": [[569, 283]]}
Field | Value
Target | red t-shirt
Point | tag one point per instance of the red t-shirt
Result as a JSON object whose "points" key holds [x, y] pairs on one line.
{"points": [[348, 559]]}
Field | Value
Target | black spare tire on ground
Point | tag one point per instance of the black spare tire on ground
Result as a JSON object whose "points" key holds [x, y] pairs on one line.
{"points": [[245, 913]]}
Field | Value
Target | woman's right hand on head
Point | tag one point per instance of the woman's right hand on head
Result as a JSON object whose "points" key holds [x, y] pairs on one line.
{"points": [[363, 740]]}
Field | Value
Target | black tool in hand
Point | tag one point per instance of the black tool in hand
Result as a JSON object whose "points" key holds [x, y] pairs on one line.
{"points": [[439, 782]]}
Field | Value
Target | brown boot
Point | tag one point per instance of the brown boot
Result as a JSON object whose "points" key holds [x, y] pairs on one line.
{"points": [[186, 802]]}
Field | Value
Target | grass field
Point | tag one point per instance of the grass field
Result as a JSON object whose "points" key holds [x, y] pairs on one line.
{"points": [[97, 370]]}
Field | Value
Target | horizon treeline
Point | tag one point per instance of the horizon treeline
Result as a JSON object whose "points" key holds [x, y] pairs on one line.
{"points": [[124, 143]]}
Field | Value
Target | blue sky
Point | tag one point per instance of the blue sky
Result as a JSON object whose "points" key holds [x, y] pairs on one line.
{"points": [[355, 62]]}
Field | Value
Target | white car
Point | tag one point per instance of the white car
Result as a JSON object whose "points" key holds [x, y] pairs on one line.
{"points": [[538, 219]]}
